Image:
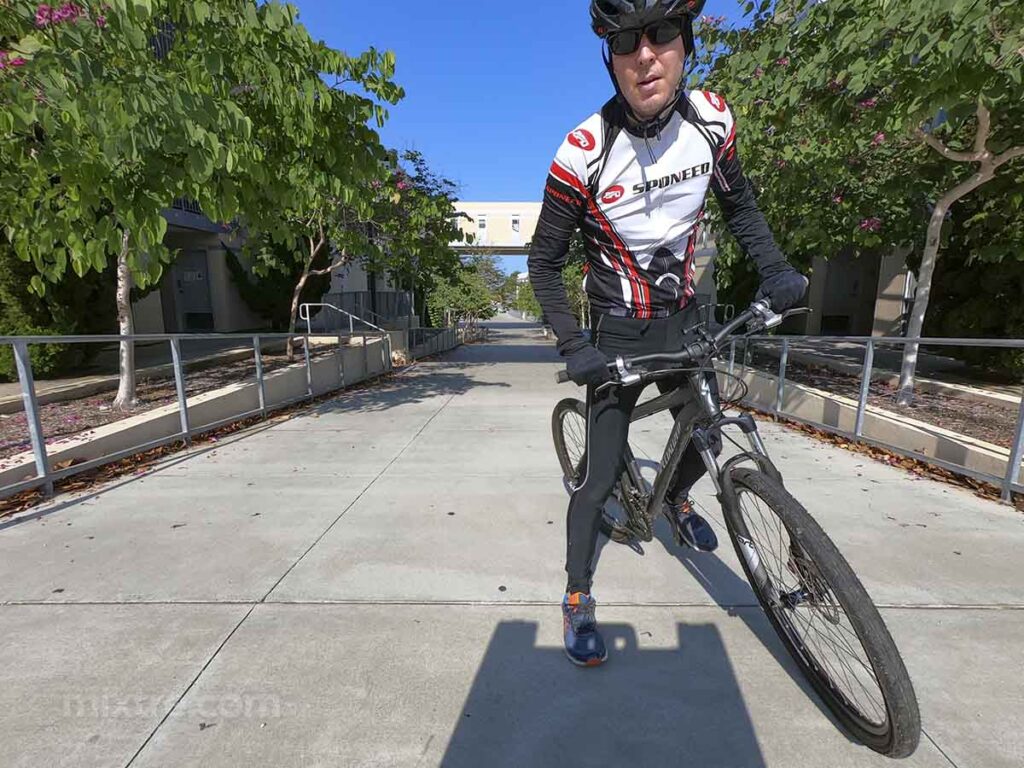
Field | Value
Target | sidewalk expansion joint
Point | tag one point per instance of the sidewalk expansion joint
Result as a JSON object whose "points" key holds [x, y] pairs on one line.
{"points": [[190, 685], [940, 749], [470, 604]]}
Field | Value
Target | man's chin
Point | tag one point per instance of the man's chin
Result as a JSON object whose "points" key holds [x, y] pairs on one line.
{"points": [[649, 108]]}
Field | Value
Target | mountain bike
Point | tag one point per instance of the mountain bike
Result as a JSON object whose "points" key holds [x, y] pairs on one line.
{"points": [[809, 592]]}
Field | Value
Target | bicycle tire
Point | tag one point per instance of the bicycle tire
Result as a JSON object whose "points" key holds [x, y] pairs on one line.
{"points": [[567, 458], [818, 560]]}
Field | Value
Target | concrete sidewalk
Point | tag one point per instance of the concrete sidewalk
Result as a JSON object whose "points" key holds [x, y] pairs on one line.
{"points": [[375, 583]]}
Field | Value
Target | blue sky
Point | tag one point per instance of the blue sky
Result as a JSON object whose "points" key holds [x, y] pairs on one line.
{"points": [[491, 87]]}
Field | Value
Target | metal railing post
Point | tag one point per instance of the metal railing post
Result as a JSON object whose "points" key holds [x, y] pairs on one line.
{"points": [[309, 369], [1016, 455], [865, 387], [260, 385], [35, 428], [179, 384], [341, 363], [732, 356], [782, 376], [366, 359], [351, 325]]}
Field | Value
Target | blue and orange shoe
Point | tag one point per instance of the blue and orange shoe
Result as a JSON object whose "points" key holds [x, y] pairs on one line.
{"points": [[583, 643]]}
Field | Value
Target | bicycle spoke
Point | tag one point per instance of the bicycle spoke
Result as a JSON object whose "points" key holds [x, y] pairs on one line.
{"points": [[878, 709]]}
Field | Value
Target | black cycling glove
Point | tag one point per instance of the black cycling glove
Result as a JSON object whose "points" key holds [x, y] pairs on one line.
{"points": [[587, 366], [784, 289]]}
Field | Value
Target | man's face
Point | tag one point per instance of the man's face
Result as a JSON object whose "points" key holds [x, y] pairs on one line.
{"points": [[649, 76]]}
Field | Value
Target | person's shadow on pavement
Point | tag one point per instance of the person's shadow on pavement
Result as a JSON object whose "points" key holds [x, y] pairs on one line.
{"points": [[675, 706]]}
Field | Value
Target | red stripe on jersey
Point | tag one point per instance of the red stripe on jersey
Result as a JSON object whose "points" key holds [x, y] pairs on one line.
{"points": [[730, 144], [638, 288]]}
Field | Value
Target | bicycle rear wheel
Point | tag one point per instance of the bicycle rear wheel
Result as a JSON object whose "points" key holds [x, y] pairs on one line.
{"points": [[822, 613], [569, 431]]}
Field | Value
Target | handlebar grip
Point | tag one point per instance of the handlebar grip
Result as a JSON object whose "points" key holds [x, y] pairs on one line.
{"points": [[562, 377]]}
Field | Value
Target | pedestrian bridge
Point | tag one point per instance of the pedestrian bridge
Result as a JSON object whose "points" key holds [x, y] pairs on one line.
{"points": [[374, 580]]}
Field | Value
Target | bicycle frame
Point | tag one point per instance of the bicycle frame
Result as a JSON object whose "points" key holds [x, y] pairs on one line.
{"points": [[700, 418]]}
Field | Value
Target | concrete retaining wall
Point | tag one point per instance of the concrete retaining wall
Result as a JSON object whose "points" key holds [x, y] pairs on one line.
{"points": [[356, 362]]}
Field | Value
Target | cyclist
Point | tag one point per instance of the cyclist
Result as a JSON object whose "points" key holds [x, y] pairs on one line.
{"points": [[634, 178]]}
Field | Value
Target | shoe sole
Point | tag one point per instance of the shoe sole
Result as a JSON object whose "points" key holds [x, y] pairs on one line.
{"points": [[590, 663]]}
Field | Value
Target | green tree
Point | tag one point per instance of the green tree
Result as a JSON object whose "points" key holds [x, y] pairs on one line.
{"points": [[869, 100], [487, 266], [269, 294], [66, 309], [466, 297], [109, 111]]}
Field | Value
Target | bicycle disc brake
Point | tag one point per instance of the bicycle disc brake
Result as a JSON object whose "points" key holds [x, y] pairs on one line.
{"points": [[814, 590]]}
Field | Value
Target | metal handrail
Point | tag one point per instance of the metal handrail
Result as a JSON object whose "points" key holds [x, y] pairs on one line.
{"points": [[923, 341], [304, 315], [1008, 483]]}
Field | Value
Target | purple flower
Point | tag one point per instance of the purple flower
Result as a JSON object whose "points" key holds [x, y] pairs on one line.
{"points": [[17, 62], [871, 225], [879, 139], [402, 186], [780, 163], [43, 15], [783, 62], [759, 72], [837, 199], [101, 21], [834, 85], [868, 103]]}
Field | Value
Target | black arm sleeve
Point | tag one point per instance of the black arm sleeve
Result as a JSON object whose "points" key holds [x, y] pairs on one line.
{"points": [[744, 219], [560, 215]]}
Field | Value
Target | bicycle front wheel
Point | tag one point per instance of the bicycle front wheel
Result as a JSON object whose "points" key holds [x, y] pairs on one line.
{"points": [[822, 613]]}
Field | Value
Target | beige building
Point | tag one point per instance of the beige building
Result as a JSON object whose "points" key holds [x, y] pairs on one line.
{"points": [[497, 227], [196, 293]]}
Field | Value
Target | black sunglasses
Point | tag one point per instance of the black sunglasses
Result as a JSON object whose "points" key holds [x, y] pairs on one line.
{"points": [[659, 32]]}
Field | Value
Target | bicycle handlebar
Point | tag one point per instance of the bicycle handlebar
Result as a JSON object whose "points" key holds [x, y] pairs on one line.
{"points": [[758, 311]]}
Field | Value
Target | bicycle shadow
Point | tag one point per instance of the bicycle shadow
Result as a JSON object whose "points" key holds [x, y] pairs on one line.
{"points": [[666, 706]]}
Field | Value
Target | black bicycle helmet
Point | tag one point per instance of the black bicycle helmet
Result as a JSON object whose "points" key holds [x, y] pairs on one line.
{"points": [[607, 16]]}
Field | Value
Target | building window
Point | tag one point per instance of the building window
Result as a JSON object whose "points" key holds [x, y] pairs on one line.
{"points": [[515, 224], [481, 224]]}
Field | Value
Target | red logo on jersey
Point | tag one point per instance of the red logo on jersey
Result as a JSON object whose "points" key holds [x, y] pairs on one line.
{"points": [[612, 194], [715, 100], [582, 139]]}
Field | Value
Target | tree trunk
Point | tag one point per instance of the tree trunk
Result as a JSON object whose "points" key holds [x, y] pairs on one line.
{"points": [[125, 399], [314, 249], [295, 309], [905, 396]]}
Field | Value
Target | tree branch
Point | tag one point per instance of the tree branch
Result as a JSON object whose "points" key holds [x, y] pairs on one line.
{"points": [[343, 261], [1008, 155], [946, 152], [984, 129]]}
